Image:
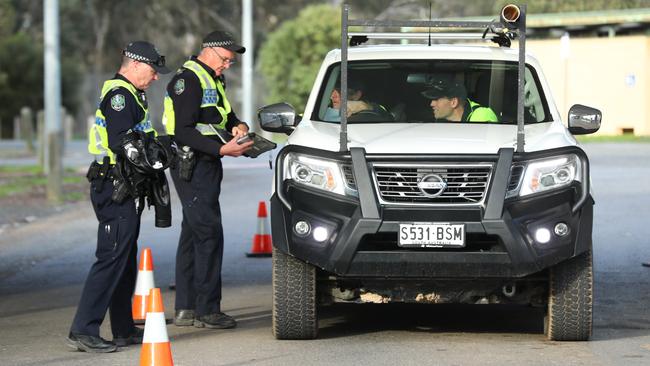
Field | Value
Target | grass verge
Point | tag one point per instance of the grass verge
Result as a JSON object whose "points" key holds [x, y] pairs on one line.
{"points": [[616, 138], [19, 180]]}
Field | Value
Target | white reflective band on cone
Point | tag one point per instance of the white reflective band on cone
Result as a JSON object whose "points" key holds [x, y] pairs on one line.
{"points": [[155, 329], [144, 283], [261, 226]]}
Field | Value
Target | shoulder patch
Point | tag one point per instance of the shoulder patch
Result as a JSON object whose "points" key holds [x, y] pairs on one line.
{"points": [[118, 102], [179, 87]]}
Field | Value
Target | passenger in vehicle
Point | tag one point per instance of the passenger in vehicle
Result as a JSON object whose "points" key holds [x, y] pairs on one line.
{"points": [[358, 108], [450, 103]]}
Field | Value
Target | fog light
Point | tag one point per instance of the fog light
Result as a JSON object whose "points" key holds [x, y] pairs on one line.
{"points": [[302, 228], [542, 235], [561, 229], [320, 234]]}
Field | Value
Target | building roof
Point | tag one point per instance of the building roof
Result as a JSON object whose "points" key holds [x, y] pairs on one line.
{"points": [[609, 22]]}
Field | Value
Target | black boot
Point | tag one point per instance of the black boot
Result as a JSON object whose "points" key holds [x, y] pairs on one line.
{"points": [[184, 317], [88, 343], [135, 337], [215, 321]]}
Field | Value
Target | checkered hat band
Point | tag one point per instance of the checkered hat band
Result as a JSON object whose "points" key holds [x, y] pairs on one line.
{"points": [[136, 57], [217, 44]]}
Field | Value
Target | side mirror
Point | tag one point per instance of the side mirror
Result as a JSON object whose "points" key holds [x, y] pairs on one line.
{"points": [[279, 117], [584, 120]]}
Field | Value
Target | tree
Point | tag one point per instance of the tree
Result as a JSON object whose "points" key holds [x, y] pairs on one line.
{"points": [[21, 64], [292, 54], [21, 79], [7, 19]]}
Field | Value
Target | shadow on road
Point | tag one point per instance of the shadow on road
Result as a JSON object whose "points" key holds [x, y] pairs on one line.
{"points": [[345, 320]]}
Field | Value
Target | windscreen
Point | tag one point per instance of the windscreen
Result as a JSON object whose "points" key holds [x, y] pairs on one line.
{"points": [[444, 91]]}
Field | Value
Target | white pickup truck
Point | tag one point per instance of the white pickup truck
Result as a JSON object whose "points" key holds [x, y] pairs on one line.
{"points": [[432, 173]]}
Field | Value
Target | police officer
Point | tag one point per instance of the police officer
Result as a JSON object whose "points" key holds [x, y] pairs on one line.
{"points": [[110, 283], [197, 111], [450, 103]]}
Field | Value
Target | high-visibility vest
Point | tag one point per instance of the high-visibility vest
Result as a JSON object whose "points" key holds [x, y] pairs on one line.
{"points": [[479, 113], [98, 136], [212, 92]]}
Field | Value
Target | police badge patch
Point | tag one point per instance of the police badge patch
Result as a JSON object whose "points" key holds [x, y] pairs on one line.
{"points": [[118, 102], [179, 87]]}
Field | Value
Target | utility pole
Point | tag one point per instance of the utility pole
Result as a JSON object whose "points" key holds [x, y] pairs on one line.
{"points": [[52, 89], [248, 95]]}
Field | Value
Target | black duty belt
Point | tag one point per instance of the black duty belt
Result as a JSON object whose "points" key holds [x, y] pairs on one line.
{"points": [[100, 171]]}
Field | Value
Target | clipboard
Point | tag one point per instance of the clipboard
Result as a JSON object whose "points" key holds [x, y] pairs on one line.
{"points": [[260, 144]]}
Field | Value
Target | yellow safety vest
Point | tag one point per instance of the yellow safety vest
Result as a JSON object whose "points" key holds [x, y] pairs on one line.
{"points": [[479, 113], [212, 91], [98, 136]]}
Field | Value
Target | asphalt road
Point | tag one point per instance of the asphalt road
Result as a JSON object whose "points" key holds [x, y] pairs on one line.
{"points": [[43, 266]]}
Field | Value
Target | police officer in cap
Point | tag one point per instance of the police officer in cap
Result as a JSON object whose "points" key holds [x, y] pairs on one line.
{"points": [[110, 283], [197, 111]]}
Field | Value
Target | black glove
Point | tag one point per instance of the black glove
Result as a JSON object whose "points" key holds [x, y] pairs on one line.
{"points": [[145, 153]]}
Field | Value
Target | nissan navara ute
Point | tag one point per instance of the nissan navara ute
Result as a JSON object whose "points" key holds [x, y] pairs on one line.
{"points": [[390, 199]]}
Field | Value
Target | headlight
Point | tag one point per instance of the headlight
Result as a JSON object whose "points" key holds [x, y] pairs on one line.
{"points": [[316, 173], [546, 174]]}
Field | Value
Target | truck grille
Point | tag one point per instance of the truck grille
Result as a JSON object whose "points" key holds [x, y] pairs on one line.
{"points": [[420, 184], [349, 177], [515, 177]]}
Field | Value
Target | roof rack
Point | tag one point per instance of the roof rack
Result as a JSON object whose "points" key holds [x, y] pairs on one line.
{"points": [[502, 39], [512, 24], [497, 31]]}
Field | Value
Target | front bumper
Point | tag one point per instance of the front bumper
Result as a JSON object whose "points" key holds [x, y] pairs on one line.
{"points": [[499, 235]]}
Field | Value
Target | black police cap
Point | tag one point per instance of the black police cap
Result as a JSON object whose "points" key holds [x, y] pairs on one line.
{"points": [[354, 85], [444, 88], [146, 52], [224, 40]]}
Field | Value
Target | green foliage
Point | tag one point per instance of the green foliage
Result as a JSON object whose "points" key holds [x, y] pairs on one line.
{"points": [[21, 82], [7, 18], [21, 69], [71, 78], [293, 53]]}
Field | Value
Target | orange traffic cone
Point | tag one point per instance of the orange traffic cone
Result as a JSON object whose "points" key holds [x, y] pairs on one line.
{"points": [[156, 348], [262, 245], [143, 285]]}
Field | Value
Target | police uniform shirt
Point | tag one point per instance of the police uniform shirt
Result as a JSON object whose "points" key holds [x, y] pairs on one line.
{"points": [[187, 110], [121, 113]]}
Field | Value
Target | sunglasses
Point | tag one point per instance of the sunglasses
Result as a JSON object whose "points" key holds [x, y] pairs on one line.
{"points": [[225, 60], [160, 62]]}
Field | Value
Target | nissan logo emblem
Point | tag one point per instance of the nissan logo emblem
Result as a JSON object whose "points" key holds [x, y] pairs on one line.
{"points": [[432, 185]]}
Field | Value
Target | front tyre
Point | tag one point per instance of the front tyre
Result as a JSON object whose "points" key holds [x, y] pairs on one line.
{"points": [[294, 298], [570, 301]]}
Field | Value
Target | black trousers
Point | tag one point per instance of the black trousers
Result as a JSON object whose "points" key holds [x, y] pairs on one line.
{"points": [[111, 280], [200, 246]]}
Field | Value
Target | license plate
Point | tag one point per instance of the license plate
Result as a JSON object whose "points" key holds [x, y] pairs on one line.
{"points": [[432, 235]]}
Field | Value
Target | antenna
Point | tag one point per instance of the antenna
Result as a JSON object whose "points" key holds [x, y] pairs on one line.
{"points": [[512, 24], [429, 23]]}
